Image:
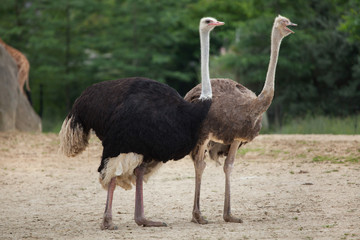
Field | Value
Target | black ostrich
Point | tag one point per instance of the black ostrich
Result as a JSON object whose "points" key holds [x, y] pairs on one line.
{"points": [[141, 123]]}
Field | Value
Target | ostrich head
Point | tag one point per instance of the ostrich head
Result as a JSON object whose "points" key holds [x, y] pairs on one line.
{"points": [[209, 23], [281, 24]]}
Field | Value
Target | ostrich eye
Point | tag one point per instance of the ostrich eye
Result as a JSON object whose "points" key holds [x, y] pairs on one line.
{"points": [[286, 22], [208, 21]]}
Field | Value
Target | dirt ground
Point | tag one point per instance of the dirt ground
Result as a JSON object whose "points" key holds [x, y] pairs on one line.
{"points": [[283, 187]]}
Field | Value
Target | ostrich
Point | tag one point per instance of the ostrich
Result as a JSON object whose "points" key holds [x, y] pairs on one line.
{"points": [[234, 119], [141, 124]]}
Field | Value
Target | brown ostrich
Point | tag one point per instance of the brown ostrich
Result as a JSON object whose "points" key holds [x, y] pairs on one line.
{"points": [[234, 119]]}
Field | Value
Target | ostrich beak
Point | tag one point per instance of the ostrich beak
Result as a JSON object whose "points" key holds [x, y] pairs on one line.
{"points": [[290, 24], [217, 23]]}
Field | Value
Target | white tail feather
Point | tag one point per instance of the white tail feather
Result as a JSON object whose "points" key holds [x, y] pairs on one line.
{"points": [[72, 140]]}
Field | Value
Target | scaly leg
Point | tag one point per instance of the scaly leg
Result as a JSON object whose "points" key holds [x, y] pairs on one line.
{"points": [[228, 166], [139, 203], [107, 221], [199, 165]]}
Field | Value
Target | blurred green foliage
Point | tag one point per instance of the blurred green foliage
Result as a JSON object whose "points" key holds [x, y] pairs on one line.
{"points": [[72, 44], [320, 125]]}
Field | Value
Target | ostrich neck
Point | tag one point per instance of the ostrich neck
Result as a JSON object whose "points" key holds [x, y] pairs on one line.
{"points": [[206, 91], [267, 93]]}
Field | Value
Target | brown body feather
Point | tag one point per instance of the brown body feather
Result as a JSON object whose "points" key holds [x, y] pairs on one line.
{"points": [[230, 117]]}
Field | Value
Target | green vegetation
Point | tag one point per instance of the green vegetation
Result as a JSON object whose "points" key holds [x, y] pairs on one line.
{"points": [[337, 159], [330, 225], [301, 155], [243, 151], [331, 171], [72, 44], [322, 125], [275, 152]]}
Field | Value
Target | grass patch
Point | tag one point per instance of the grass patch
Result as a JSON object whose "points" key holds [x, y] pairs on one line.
{"points": [[321, 125], [275, 153], [339, 159], [331, 171], [303, 142], [352, 159], [301, 155], [330, 225], [324, 159], [243, 151]]}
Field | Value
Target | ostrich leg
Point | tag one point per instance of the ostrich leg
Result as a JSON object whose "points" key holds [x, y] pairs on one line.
{"points": [[107, 221], [139, 203], [228, 166], [200, 165]]}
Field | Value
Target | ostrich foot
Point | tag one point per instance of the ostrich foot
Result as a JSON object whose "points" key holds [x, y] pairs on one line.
{"points": [[197, 218], [107, 224], [231, 218], [147, 223]]}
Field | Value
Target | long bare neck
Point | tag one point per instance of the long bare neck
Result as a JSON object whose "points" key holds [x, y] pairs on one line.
{"points": [[206, 91], [267, 94]]}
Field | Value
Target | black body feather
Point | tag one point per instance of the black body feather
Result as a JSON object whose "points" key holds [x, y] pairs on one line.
{"points": [[139, 115]]}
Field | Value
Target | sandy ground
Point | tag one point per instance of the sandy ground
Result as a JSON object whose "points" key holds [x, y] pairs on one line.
{"points": [[283, 187]]}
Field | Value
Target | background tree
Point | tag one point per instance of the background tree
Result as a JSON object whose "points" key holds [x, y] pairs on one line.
{"points": [[72, 44], [314, 71]]}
